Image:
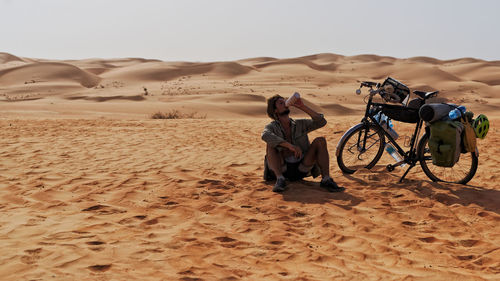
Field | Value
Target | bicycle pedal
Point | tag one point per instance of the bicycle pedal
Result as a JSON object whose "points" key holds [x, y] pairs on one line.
{"points": [[390, 167]]}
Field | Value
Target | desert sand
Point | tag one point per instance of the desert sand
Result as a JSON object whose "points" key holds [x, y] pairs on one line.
{"points": [[93, 188]]}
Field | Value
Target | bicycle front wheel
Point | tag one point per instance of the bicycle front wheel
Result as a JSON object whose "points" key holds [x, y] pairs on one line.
{"points": [[362, 147], [462, 172]]}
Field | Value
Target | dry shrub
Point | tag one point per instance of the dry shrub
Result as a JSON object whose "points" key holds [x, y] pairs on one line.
{"points": [[176, 114]]}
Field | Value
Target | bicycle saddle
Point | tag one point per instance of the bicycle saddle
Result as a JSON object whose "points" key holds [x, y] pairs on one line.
{"points": [[425, 95]]}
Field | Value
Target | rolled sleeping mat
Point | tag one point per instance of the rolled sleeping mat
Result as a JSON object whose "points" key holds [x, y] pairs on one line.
{"points": [[435, 111]]}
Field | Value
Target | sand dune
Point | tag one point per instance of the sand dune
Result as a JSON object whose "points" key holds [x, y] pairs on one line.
{"points": [[6, 57], [160, 71], [486, 73], [322, 78], [92, 188], [47, 72], [299, 61], [427, 60], [324, 58], [425, 74], [370, 58], [256, 60]]}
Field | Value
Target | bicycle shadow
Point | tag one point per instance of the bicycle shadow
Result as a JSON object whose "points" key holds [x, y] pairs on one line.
{"points": [[465, 195], [310, 192]]}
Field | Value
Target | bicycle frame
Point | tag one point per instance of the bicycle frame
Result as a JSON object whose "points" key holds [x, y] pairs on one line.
{"points": [[409, 157]]}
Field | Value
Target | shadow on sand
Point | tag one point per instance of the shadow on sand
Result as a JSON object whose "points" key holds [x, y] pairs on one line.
{"points": [[450, 194], [309, 192], [445, 193]]}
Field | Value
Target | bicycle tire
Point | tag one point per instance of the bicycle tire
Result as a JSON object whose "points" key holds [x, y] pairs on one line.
{"points": [[377, 150], [444, 174]]}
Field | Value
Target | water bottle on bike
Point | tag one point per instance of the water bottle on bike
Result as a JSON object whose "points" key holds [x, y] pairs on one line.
{"points": [[394, 153], [386, 123], [457, 112]]}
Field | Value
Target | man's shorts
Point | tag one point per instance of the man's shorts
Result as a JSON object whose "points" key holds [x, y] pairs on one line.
{"points": [[293, 172]]}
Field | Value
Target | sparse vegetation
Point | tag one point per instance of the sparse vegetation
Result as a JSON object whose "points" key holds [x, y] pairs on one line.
{"points": [[176, 114]]}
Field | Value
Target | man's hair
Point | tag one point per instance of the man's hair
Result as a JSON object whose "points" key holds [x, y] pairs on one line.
{"points": [[271, 106]]}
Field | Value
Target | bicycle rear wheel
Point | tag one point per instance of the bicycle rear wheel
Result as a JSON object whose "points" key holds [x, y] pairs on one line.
{"points": [[462, 172], [355, 151]]}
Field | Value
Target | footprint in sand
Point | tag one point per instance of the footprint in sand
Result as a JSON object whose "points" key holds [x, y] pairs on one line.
{"points": [[465, 257], [207, 208], [468, 242], [224, 239], [428, 239], [228, 242], [95, 243], [210, 182], [100, 267], [436, 217], [103, 210], [32, 256], [215, 184], [216, 193], [132, 220], [299, 214], [446, 199], [152, 221]]}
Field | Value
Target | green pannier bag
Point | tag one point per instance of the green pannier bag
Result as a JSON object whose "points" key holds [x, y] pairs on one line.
{"points": [[445, 142]]}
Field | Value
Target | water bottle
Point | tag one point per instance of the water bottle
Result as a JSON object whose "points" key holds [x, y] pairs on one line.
{"points": [[386, 124], [457, 112], [391, 131], [394, 153], [292, 99]]}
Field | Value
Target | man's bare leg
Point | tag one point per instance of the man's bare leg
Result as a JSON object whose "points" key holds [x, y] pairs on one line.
{"points": [[274, 160], [318, 153]]}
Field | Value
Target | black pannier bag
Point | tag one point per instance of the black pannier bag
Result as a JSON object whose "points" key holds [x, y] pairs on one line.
{"points": [[395, 91], [401, 113]]}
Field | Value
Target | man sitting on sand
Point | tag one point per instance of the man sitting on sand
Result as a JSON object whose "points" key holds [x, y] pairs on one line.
{"points": [[289, 153]]}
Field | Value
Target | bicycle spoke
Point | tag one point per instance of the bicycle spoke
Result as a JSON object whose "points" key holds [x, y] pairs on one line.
{"points": [[361, 149]]}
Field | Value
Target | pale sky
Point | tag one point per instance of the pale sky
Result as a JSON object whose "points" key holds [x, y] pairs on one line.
{"points": [[215, 30]]}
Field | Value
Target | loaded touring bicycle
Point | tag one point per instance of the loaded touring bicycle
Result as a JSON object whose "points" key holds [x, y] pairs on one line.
{"points": [[362, 145]]}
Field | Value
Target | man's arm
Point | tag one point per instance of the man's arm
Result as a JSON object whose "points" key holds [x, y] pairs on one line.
{"points": [[318, 120], [314, 115], [276, 141], [270, 137]]}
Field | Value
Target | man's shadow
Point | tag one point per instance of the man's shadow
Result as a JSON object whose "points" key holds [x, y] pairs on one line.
{"points": [[310, 192]]}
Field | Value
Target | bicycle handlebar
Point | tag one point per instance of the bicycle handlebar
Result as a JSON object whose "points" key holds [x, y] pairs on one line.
{"points": [[368, 84], [378, 90]]}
